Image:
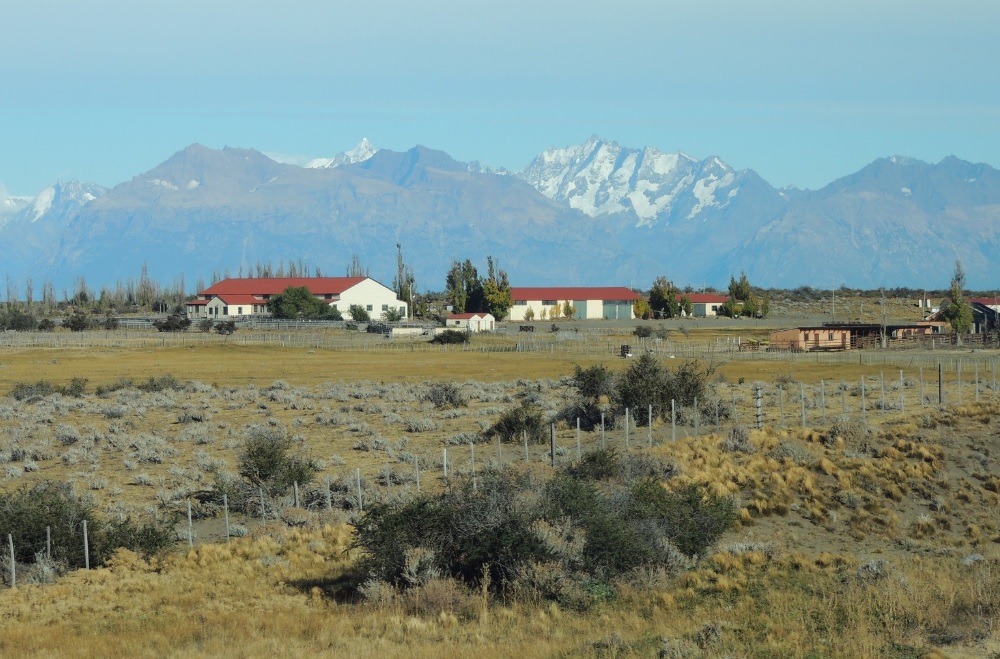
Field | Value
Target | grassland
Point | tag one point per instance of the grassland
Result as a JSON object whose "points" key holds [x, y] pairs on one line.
{"points": [[860, 536]]}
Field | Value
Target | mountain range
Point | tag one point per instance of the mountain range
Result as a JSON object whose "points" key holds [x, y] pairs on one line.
{"points": [[591, 214]]}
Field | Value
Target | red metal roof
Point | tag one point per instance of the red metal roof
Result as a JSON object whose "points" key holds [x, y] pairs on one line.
{"points": [[574, 293], [240, 299], [466, 316], [275, 285], [197, 302]]}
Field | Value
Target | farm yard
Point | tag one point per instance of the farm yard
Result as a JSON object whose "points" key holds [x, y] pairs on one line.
{"points": [[864, 489]]}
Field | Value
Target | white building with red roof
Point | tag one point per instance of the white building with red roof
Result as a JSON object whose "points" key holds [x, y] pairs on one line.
{"points": [[602, 302], [234, 298]]}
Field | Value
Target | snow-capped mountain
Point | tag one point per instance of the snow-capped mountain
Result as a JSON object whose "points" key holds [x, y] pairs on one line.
{"points": [[590, 214], [601, 178], [42, 221], [362, 152], [11, 205]]}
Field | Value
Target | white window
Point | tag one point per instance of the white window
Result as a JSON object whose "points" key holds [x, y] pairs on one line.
{"points": [[369, 307], [385, 307]]}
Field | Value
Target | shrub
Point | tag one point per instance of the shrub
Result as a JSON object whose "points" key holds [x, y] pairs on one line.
{"points": [[172, 323], [450, 336], [359, 314], [444, 395], [46, 325], [643, 331], [226, 327], [26, 513], [18, 321], [205, 324], [42, 388], [162, 383], [514, 422], [266, 462], [78, 321], [567, 539], [647, 382]]}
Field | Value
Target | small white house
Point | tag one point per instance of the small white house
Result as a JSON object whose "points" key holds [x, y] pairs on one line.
{"points": [[471, 322], [704, 305], [231, 298]]}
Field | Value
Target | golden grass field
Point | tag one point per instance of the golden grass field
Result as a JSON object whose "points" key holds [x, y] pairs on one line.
{"points": [[877, 539]]}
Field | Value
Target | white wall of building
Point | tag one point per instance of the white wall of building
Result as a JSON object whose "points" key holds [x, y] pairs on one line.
{"points": [[373, 297], [594, 309]]}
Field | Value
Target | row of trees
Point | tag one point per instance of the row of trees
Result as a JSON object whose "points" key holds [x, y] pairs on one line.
{"points": [[466, 291], [666, 300]]}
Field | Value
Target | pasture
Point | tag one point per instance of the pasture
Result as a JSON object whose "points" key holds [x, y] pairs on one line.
{"points": [[867, 511]]}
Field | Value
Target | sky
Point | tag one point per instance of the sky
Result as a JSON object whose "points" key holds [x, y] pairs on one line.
{"points": [[801, 92]]}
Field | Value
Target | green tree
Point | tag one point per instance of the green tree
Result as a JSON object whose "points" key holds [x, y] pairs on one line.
{"points": [[685, 305], [404, 283], [740, 290], [958, 312], [359, 314], [299, 302], [663, 298], [462, 287], [496, 291], [641, 309]]}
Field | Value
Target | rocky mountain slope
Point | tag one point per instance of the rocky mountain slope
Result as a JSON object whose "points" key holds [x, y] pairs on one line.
{"points": [[596, 213]]}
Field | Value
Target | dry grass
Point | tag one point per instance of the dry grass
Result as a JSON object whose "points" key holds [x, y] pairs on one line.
{"points": [[801, 576]]}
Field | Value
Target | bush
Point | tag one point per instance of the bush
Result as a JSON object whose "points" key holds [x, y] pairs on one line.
{"points": [[643, 331], [154, 384], [205, 324], [172, 323], [18, 321], [643, 383], [26, 513], [78, 321], [42, 388], [359, 314], [514, 422], [266, 462], [444, 395], [567, 539], [226, 327], [450, 336], [46, 325]]}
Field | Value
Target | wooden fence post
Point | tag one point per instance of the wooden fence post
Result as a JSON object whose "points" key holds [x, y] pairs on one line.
{"points": [[552, 444], [13, 563], [225, 508], [86, 547], [357, 477]]}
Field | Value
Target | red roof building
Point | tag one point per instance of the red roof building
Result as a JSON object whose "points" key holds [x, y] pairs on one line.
{"points": [[553, 302], [249, 296]]}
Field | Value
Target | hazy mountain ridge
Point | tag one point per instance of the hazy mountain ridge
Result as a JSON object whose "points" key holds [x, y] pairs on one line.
{"points": [[595, 213]]}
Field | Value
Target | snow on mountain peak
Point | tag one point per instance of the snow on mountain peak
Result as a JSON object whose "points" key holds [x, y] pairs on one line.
{"points": [[601, 177], [42, 203], [360, 153]]}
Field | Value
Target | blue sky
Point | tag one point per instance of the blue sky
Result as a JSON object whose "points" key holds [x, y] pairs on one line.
{"points": [[801, 92]]}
